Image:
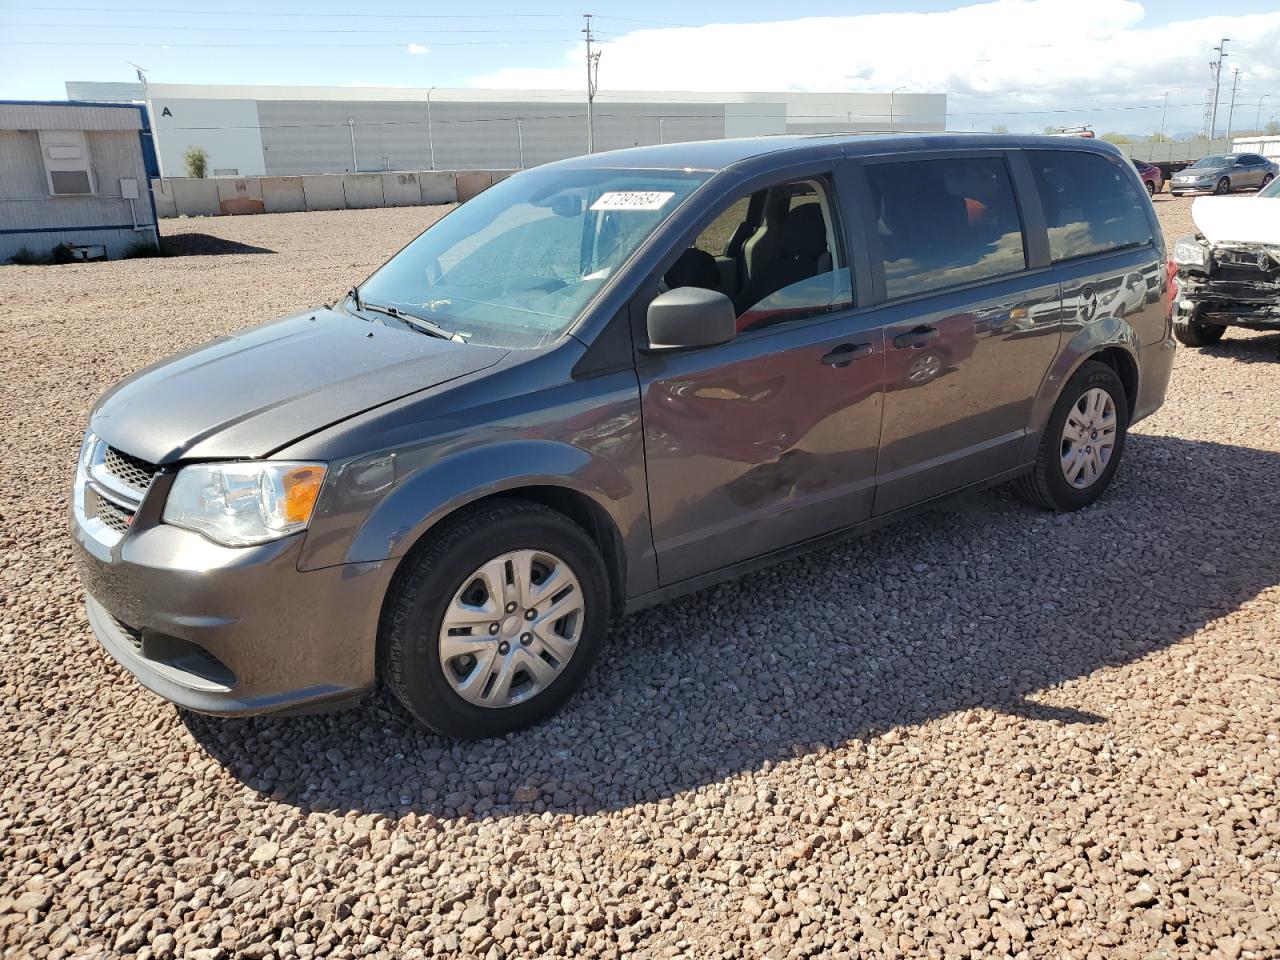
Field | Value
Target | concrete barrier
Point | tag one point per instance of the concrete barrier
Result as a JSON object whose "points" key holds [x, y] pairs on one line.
{"points": [[195, 198], [324, 192], [438, 186], [283, 195], [162, 193], [472, 182], [215, 196], [363, 190], [238, 196], [401, 190]]}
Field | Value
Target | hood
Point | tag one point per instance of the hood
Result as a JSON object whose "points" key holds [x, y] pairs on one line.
{"points": [[1201, 171], [251, 393], [1238, 219]]}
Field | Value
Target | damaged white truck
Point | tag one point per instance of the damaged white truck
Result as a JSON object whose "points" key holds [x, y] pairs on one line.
{"points": [[1229, 272]]}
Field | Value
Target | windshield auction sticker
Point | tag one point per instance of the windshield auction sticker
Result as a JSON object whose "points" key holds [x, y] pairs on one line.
{"points": [[632, 200]]}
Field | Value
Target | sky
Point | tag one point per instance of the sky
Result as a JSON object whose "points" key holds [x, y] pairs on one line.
{"points": [[1022, 64]]}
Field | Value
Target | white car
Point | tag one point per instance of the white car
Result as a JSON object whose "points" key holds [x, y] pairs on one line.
{"points": [[1229, 272]]}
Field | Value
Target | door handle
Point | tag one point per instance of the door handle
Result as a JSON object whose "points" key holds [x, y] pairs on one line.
{"points": [[846, 353], [915, 338]]}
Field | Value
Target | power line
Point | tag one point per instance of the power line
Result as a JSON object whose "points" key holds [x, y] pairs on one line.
{"points": [[344, 30], [366, 15], [159, 45]]}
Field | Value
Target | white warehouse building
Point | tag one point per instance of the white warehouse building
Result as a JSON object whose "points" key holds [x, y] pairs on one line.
{"points": [[284, 130]]}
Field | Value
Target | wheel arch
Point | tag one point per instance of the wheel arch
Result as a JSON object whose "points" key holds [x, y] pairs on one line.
{"points": [[1112, 342], [563, 478]]}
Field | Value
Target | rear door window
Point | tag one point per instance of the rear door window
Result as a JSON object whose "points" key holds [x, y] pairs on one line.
{"points": [[943, 223], [1090, 204]]}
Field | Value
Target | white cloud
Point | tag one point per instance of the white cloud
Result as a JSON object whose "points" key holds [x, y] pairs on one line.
{"points": [[417, 49], [1005, 55]]}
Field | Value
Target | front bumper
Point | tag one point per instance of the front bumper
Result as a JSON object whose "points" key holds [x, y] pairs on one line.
{"points": [[230, 631], [1181, 188], [1253, 304]]}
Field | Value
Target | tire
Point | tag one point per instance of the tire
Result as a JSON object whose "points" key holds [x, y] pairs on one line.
{"points": [[1223, 186], [430, 585], [1192, 333], [1047, 485], [1266, 180], [1151, 187]]}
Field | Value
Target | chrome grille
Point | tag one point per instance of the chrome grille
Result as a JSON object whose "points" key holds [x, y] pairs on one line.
{"points": [[117, 518], [131, 471]]}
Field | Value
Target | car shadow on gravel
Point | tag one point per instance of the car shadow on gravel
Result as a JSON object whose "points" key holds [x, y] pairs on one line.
{"points": [[990, 604], [205, 245], [1255, 348]]}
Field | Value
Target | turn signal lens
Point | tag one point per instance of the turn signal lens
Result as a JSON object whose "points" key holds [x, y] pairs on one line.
{"points": [[301, 488]]}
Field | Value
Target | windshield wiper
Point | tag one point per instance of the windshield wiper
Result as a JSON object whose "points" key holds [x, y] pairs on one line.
{"points": [[408, 319]]}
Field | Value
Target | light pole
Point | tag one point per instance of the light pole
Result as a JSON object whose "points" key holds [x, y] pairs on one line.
{"points": [[892, 123], [661, 137], [593, 71], [520, 138], [355, 164], [431, 141], [1221, 51], [1231, 111]]}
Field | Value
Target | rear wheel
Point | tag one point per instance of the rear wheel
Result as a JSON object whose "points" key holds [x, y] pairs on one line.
{"points": [[495, 622], [1193, 333], [1224, 186], [1151, 188], [1082, 443]]}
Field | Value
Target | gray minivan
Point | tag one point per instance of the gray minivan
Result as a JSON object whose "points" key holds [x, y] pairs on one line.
{"points": [[604, 382]]}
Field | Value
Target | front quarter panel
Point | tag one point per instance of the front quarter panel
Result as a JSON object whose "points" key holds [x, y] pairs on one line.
{"points": [[438, 455]]}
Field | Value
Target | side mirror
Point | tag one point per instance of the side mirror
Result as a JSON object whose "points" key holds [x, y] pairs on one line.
{"points": [[690, 317]]}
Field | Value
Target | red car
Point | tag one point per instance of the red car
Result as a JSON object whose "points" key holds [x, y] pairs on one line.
{"points": [[1151, 176]]}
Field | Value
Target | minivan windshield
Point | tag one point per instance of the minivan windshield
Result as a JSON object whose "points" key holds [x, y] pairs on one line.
{"points": [[517, 265], [1215, 161]]}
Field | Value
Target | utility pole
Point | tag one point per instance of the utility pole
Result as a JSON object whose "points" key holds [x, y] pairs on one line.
{"points": [[1257, 117], [1221, 51], [1231, 111], [593, 71], [351, 125]]}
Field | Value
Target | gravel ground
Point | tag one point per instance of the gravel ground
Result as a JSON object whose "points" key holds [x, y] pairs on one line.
{"points": [[984, 732]]}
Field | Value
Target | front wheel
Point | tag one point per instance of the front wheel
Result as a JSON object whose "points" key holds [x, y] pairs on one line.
{"points": [[1266, 180], [495, 621], [1151, 188], [1192, 333], [1082, 443], [1224, 186]]}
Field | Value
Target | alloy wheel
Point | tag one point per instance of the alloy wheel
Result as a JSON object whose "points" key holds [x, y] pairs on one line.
{"points": [[511, 628], [1088, 438]]}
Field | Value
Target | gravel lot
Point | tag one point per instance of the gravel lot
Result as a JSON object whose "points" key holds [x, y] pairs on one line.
{"points": [[984, 732]]}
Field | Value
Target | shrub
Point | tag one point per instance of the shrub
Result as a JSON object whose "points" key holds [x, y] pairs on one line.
{"points": [[24, 258], [62, 254], [197, 160]]}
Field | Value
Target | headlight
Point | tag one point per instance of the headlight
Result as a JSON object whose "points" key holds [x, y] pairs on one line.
{"points": [[1189, 252], [86, 453], [239, 504]]}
